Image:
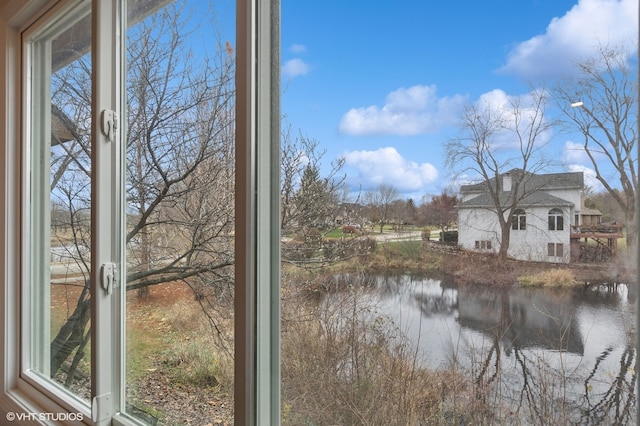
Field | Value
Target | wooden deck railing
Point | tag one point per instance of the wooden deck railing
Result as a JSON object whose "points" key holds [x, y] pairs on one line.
{"points": [[602, 230]]}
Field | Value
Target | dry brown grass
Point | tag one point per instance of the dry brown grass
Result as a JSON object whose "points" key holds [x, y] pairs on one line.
{"points": [[195, 352], [402, 256], [176, 367], [343, 364], [549, 278], [474, 268]]}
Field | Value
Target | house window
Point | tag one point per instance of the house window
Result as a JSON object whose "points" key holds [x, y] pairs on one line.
{"points": [[556, 220], [483, 245], [519, 221], [555, 250]]}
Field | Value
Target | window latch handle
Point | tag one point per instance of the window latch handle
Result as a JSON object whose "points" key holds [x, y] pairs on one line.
{"points": [[108, 276], [109, 124]]}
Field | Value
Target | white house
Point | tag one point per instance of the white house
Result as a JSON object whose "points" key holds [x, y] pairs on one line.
{"points": [[548, 206]]}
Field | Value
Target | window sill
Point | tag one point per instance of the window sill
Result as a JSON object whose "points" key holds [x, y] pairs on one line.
{"points": [[25, 404]]}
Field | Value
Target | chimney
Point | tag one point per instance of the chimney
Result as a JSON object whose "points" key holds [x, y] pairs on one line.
{"points": [[506, 182]]}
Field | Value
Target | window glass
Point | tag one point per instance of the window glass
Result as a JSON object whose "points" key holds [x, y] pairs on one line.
{"points": [[483, 245], [555, 249], [556, 220], [180, 138], [60, 217], [519, 221]]}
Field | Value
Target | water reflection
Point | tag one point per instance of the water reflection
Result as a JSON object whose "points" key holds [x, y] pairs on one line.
{"points": [[581, 321], [545, 354], [522, 318]]}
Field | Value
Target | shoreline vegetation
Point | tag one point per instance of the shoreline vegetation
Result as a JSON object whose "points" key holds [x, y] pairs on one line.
{"points": [[471, 268], [474, 268]]}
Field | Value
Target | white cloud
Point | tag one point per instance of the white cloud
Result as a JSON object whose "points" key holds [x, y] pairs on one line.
{"points": [[589, 176], [294, 68], [574, 36], [496, 100], [298, 48], [504, 108], [413, 111], [386, 165], [574, 153]]}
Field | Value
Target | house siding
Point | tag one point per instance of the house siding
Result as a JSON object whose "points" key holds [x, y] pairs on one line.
{"points": [[469, 232], [532, 243], [478, 222]]}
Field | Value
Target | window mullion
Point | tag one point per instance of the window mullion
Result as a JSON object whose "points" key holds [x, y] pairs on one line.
{"points": [[105, 210], [257, 357], [268, 226]]}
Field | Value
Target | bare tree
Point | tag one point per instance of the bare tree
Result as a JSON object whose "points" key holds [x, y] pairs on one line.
{"points": [[308, 200], [602, 103], [180, 150], [381, 202], [439, 211], [605, 204], [495, 139], [408, 212]]}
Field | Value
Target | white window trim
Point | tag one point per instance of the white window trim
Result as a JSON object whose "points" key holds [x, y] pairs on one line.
{"points": [[19, 395]]}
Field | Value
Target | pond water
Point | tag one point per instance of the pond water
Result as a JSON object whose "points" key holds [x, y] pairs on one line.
{"points": [[577, 342]]}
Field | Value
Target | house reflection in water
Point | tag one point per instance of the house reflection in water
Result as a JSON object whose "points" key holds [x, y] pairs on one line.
{"points": [[521, 318]]}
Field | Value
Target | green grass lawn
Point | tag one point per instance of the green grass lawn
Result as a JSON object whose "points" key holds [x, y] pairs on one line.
{"points": [[334, 233]]}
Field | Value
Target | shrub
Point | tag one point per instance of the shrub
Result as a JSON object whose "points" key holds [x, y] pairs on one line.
{"points": [[341, 249], [449, 237], [193, 361], [349, 229], [191, 351]]}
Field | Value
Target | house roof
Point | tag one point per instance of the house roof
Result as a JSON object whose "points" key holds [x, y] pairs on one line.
{"points": [[537, 198], [532, 190], [532, 181], [586, 211]]}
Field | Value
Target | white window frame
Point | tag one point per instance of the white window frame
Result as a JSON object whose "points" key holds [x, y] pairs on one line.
{"points": [[106, 212], [483, 245], [556, 217], [519, 220], [555, 247], [257, 387]]}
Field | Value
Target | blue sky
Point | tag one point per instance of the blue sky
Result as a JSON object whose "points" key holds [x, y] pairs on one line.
{"points": [[380, 83]]}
